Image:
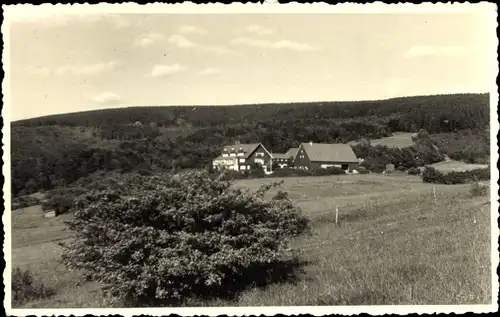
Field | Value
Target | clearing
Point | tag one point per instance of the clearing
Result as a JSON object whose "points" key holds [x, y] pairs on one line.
{"points": [[394, 244], [397, 140], [456, 166]]}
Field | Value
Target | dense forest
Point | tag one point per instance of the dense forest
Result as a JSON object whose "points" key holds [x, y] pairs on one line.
{"points": [[57, 150]]}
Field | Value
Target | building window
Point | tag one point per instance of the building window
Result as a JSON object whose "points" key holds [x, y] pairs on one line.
{"points": [[242, 160]]}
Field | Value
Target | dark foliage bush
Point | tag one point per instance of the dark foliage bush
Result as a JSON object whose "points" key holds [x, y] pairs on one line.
{"points": [[432, 175], [290, 172], [61, 200], [166, 238], [24, 201], [328, 171], [25, 287], [414, 171], [476, 189], [281, 195]]}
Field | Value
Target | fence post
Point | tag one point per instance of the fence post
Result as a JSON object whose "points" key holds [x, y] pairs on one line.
{"points": [[336, 215], [434, 193]]}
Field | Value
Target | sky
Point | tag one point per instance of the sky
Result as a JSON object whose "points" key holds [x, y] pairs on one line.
{"points": [[66, 63]]}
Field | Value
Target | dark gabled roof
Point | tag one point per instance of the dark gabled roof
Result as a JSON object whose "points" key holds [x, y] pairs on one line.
{"points": [[323, 152], [281, 156], [248, 148], [292, 152]]}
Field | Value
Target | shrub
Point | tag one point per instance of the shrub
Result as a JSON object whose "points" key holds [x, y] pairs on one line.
{"points": [[23, 202], [328, 171], [61, 200], [290, 172], [281, 195], [476, 189], [362, 170], [173, 237], [414, 171], [25, 287], [432, 175]]}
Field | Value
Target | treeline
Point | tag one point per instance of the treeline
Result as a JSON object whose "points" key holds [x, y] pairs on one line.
{"points": [[442, 113], [57, 150], [432, 175]]}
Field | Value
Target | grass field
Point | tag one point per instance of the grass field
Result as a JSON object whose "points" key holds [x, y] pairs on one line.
{"points": [[394, 244], [397, 140], [456, 166]]}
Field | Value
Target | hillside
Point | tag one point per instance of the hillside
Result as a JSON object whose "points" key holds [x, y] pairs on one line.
{"points": [[57, 150]]}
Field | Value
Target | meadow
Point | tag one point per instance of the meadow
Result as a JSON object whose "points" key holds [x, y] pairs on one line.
{"points": [[394, 243], [397, 140]]}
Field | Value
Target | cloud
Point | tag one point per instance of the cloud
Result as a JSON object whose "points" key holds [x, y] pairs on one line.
{"points": [[209, 71], [87, 69], [282, 44], [41, 71], [148, 39], [428, 50], [182, 42], [260, 30], [107, 98], [166, 70], [190, 29]]}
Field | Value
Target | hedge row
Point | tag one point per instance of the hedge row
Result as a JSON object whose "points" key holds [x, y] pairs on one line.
{"points": [[432, 175]]}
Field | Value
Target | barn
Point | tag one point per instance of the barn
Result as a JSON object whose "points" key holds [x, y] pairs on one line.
{"points": [[311, 156]]}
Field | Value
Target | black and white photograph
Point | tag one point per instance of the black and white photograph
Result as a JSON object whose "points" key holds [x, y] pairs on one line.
{"points": [[250, 159]]}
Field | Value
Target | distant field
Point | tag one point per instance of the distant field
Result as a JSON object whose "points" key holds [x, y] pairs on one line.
{"points": [[456, 166], [395, 244], [397, 140]]}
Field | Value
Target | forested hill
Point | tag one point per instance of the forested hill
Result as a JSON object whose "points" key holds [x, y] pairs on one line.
{"points": [[427, 112], [58, 150]]}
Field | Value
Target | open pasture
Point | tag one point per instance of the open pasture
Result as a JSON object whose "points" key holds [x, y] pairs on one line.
{"points": [[456, 166], [397, 140], [394, 243]]}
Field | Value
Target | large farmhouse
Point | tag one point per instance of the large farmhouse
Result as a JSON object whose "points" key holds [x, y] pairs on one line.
{"points": [[310, 156], [241, 157], [284, 159]]}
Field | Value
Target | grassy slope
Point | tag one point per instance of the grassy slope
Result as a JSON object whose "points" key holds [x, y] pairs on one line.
{"points": [[397, 140], [394, 245]]}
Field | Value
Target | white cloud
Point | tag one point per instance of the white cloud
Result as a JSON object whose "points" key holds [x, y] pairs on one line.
{"points": [[209, 71], [166, 70], [148, 39], [42, 71], [107, 98], [190, 29], [260, 30], [181, 41], [87, 69], [282, 44], [428, 50]]}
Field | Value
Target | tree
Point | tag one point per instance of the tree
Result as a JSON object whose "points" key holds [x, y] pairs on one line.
{"points": [[168, 237]]}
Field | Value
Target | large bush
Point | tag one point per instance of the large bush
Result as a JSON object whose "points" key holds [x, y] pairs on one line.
{"points": [[194, 233], [328, 171], [26, 287], [432, 175], [61, 200]]}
